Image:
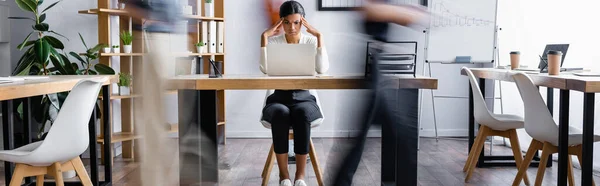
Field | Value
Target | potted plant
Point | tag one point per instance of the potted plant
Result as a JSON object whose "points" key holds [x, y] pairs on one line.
{"points": [[209, 8], [115, 49], [124, 84], [200, 47], [122, 4], [127, 38], [106, 48]]}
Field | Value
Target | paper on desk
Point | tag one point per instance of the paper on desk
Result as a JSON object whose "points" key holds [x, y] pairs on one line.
{"points": [[11, 79]]}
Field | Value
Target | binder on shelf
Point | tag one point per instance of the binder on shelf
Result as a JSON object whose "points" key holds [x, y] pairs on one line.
{"points": [[204, 34], [212, 37], [220, 37]]}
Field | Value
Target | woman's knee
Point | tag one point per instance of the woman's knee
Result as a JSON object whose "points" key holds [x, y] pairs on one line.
{"points": [[276, 110]]}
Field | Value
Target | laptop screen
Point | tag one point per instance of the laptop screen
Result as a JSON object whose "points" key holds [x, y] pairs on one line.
{"points": [[557, 47]]}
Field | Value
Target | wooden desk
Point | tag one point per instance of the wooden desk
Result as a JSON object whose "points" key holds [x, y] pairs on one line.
{"points": [[53, 84], [565, 82], [197, 115]]}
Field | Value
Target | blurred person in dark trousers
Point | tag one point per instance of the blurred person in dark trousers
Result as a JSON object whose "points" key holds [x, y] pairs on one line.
{"points": [[383, 104], [153, 22]]}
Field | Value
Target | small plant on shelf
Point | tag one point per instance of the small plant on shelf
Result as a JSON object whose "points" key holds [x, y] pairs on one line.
{"points": [[122, 4], [106, 48], [127, 39], [115, 49], [124, 84], [209, 8], [200, 47]]}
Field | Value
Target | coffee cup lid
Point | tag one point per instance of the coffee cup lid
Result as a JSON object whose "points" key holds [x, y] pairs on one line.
{"points": [[515, 52], [554, 52]]}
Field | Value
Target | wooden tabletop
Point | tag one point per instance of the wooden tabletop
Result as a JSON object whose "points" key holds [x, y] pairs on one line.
{"points": [[566, 80], [252, 82], [52, 84]]}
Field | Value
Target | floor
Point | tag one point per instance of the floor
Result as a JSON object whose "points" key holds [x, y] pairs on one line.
{"points": [[440, 163]]}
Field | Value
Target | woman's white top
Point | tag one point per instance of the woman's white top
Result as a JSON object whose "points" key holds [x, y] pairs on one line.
{"points": [[321, 58]]}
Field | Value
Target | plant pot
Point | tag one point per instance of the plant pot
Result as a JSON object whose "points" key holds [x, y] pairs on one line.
{"points": [[106, 50], [116, 50], [127, 48], [200, 49], [209, 10], [124, 91], [65, 174], [121, 5]]}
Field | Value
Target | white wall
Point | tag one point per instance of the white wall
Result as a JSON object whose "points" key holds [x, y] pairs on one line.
{"points": [[246, 20], [529, 25]]}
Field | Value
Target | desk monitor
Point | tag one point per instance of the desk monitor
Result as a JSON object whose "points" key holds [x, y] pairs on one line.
{"points": [[557, 47]]}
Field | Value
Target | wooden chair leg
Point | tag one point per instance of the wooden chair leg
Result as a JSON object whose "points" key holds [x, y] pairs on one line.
{"points": [[570, 171], [516, 148], [18, 175], [57, 173], [546, 152], [81, 172], [268, 161], [580, 158], [478, 146], [473, 149], [534, 146], [315, 163], [39, 180]]}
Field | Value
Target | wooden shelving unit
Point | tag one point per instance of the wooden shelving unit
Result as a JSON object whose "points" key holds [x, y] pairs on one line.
{"points": [[132, 63]]}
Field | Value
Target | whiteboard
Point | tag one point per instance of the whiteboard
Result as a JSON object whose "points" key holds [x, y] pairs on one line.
{"points": [[461, 28]]}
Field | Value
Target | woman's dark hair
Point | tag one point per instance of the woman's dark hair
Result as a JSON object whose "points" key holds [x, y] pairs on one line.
{"points": [[291, 7]]}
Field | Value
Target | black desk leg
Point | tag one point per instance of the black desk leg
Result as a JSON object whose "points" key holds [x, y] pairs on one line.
{"points": [[480, 162], [588, 138], [407, 137], [27, 126], [8, 132], [93, 149], [471, 119], [563, 137], [198, 137], [107, 134]]}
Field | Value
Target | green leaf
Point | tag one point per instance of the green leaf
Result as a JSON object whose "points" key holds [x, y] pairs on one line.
{"points": [[24, 6], [97, 48], [41, 27], [42, 18], [83, 41], [20, 110], [58, 62], [77, 57], [42, 50], [28, 43], [59, 34], [75, 67], [68, 67], [20, 47], [40, 2], [92, 72], [54, 42], [80, 71], [103, 69], [52, 5], [21, 18]]}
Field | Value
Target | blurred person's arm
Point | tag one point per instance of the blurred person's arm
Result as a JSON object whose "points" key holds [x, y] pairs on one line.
{"points": [[402, 15], [264, 40]]}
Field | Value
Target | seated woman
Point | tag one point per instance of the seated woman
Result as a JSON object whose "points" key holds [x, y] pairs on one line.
{"points": [[292, 108]]}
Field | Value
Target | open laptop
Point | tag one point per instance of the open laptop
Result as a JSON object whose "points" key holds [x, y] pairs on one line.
{"points": [[291, 59], [542, 66]]}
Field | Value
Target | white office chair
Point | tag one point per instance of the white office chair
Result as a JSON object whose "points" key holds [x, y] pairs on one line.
{"points": [[540, 125], [491, 125], [66, 140], [312, 153]]}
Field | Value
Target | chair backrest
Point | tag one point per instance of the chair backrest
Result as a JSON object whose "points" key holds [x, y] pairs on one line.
{"points": [[481, 112], [539, 123], [68, 137]]}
